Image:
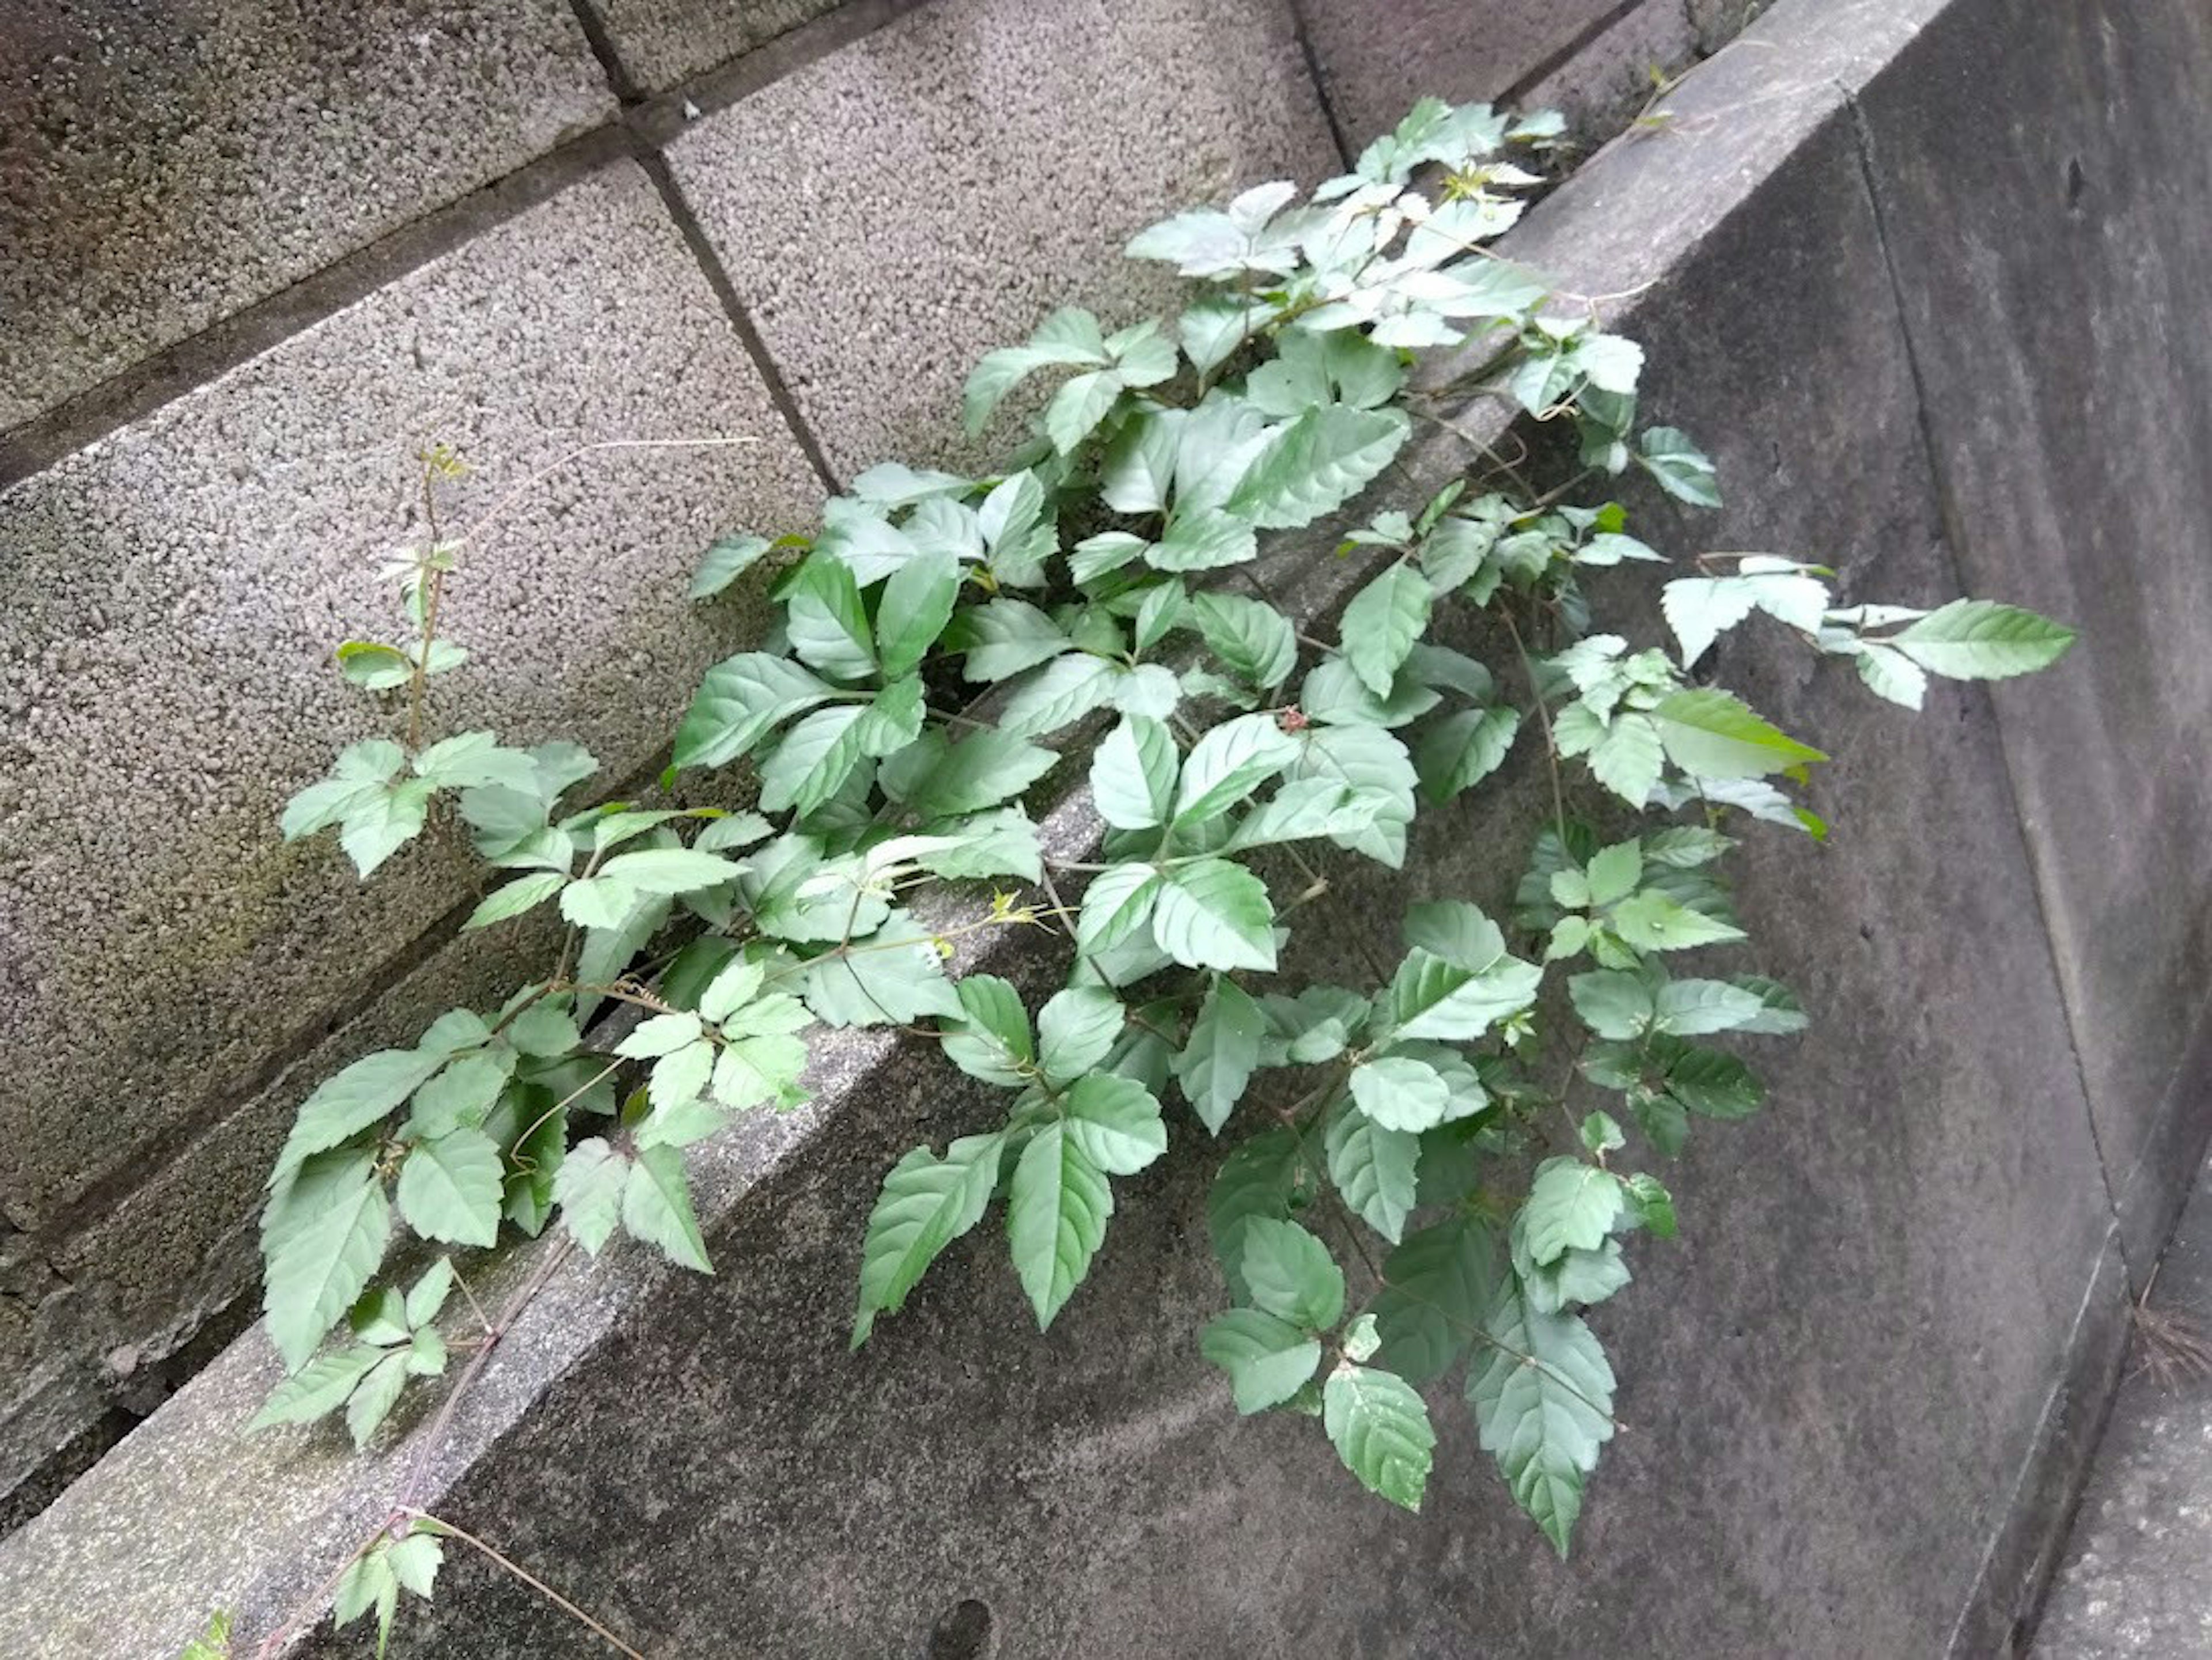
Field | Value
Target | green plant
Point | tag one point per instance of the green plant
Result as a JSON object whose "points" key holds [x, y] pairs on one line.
{"points": [[1423, 1178]]}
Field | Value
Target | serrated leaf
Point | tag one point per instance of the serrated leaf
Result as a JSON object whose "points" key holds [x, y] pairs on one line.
{"points": [[1132, 774], [588, 1188], [1228, 764], [1542, 1398], [1681, 469], [1436, 1287], [1262, 1178], [379, 1392], [1432, 998], [741, 700], [992, 1041], [1217, 1064], [318, 1389], [656, 1207], [1382, 623], [1689, 1008], [353, 1098], [1269, 1360], [1254, 640], [1056, 1214], [917, 604], [1076, 1029], [1118, 902], [1711, 734], [1652, 921], [1571, 1206], [314, 1276], [671, 870], [1465, 748], [1212, 914], [1379, 1428], [1289, 1274], [726, 561], [1060, 693], [1115, 1122], [1400, 1093], [1376, 1170], [1981, 639], [1315, 464], [450, 1189], [926, 1202]]}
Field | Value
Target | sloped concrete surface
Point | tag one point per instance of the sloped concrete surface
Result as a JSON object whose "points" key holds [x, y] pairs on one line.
{"points": [[2136, 1584], [162, 165], [168, 600], [1836, 1383], [659, 42], [893, 211]]}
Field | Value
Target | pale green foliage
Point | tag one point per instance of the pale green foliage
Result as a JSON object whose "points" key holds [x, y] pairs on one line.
{"points": [[1093, 587]]}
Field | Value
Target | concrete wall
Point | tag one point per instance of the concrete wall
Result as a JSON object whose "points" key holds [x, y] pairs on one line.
{"points": [[1932, 305], [254, 257]]}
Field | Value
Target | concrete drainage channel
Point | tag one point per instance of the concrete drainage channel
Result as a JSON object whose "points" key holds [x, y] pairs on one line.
{"points": [[1887, 254]]}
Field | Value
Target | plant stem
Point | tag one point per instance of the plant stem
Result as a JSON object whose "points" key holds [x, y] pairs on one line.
{"points": [[440, 1524]]}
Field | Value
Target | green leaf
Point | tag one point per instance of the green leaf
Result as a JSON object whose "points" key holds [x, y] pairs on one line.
{"points": [[1429, 997], [1132, 774], [352, 1098], [1118, 902], [415, 1560], [1711, 734], [1400, 1093], [1782, 1013], [1382, 623], [516, 897], [671, 870], [1269, 1360], [1217, 1064], [1308, 809], [1056, 1214], [1254, 640], [1075, 1029], [314, 1276], [430, 1293], [926, 1203], [1690, 1007], [1291, 1274], [1317, 463], [1613, 1004], [1571, 1206], [1613, 872], [1228, 764], [826, 621], [1680, 468], [981, 771], [1375, 1169], [1379, 1428], [1465, 748], [1713, 1083], [917, 604], [1581, 1278], [1003, 638], [656, 1207], [1069, 337], [992, 1041], [1890, 673], [1204, 541], [471, 759], [374, 667], [450, 1189], [729, 558], [1212, 914], [1652, 921], [1079, 406], [588, 1186], [379, 1392], [1981, 639], [1060, 693], [318, 1388], [741, 700], [1542, 1396], [1115, 1123], [1264, 1176], [1436, 1287]]}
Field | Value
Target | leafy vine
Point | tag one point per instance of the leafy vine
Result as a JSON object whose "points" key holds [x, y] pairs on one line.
{"points": [[1422, 1178]]}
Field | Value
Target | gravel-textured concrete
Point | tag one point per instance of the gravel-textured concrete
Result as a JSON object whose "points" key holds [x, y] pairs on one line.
{"points": [[162, 166], [1835, 1384], [169, 600], [2135, 1584], [890, 213], [659, 42], [1376, 57], [2050, 221]]}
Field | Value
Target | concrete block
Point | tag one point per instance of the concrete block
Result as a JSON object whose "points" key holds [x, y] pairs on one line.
{"points": [[2050, 222], [892, 211], [660, 42], [171, 595], [1376, 57], [161, 169], [1834, 1382]]}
